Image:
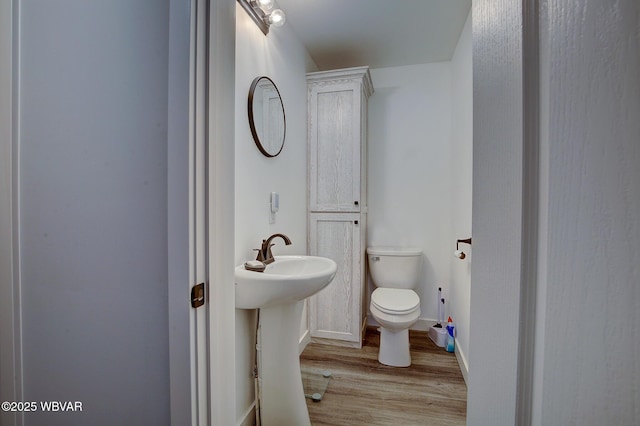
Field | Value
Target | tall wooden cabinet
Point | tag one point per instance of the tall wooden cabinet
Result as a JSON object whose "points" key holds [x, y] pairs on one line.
{"points": [[337, 155]]}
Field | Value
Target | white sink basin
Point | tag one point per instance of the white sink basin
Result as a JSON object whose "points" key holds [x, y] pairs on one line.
{"points": [[288, 279]]}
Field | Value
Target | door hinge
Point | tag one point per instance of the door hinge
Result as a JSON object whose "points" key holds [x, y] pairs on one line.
{"points": [[197, 295]]}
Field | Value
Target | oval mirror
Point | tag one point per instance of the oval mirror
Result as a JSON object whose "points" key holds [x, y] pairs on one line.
{"points": [[266, 116]]}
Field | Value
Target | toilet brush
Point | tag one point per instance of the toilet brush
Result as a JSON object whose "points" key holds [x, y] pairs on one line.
{"points": [[436, 332], [440, 301]]}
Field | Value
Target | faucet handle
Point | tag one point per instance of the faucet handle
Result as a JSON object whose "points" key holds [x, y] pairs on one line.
{"points": [[260, 256]]}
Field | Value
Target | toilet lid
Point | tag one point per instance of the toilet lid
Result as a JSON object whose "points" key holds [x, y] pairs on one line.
{"points": [[395, 300], [394, 251]]}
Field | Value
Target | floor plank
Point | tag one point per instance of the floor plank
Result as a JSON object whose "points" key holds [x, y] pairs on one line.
{"points": [[363, 392]]}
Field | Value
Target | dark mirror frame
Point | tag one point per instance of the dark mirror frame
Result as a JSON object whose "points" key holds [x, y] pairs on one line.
{"points": [[254, 132]]}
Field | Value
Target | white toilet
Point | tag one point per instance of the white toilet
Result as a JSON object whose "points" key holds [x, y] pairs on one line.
{"points": [[395, 272]]}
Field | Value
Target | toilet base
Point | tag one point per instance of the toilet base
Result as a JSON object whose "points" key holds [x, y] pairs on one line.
{"points": [[394, 347]]}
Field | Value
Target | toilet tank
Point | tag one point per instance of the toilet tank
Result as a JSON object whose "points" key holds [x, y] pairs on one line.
{"points": [[395, 267]]}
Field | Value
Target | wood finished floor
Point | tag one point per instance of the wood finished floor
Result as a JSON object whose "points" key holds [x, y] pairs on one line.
{"points": [[364, 392]]}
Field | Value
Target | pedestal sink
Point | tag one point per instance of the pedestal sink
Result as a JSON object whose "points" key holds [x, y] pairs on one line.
{"points": [[278, 292]]}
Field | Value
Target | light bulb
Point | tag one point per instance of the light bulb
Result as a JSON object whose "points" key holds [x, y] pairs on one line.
{"points": [[276, 18], [265, 4]]}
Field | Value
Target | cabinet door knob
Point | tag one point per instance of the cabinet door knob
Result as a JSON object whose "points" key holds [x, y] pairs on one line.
{"points": [[355, 203], [355, 221]]}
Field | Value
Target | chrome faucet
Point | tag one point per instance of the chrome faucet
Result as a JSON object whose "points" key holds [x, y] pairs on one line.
{"points": [[264, 252]]}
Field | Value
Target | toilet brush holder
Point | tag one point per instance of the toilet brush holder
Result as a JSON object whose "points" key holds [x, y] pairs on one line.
{"points": [[438, 335]]}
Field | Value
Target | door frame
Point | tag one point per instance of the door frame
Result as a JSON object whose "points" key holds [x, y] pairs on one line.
{"points": [[201, 230], [502, 242], [186, 211], [221, 210], [10, 329], [505, 211]]}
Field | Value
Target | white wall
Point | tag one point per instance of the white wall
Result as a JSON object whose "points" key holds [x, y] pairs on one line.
{"points": [[461, 181], [281, 57], [93, 212], [409, 161], [419, 183], [588, 340]]}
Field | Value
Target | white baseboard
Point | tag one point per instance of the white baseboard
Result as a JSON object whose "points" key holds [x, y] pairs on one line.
{"points": [[423, 324], [305, 339], [462, 362], [249, 417]]}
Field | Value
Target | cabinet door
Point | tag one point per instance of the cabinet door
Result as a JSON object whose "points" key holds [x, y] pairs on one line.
{"points": [[335, 146], [336, 311]]}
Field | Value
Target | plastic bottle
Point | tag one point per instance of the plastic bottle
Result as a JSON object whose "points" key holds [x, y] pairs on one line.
{"points": [[451, 343]]}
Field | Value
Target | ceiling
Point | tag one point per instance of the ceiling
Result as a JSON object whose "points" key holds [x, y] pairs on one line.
{"points": [[377, 33]]}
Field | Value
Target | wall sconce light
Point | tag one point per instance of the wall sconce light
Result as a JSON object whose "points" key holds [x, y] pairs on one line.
{"points": [[259, 11]]}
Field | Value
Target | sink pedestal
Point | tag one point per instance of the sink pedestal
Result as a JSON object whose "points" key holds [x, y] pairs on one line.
{"points": [[279, 292], [282, 396]]}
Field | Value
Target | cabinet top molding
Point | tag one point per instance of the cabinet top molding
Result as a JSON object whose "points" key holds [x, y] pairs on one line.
{"points": [[345, 73]]}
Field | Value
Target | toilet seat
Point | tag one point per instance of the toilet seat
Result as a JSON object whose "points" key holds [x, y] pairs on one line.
{"points": [[395, 301]]}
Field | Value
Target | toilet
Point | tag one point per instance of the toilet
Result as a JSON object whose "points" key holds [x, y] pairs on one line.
{"points": [[394, 305]]}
